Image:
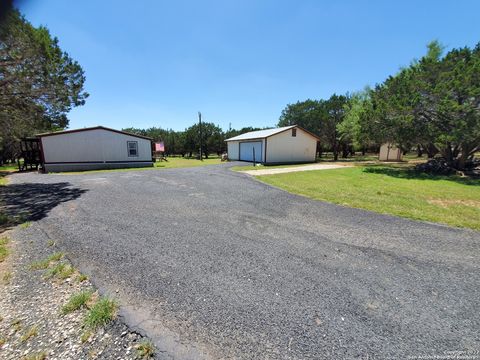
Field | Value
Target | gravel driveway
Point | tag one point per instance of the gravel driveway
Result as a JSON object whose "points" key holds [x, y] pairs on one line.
{"points": [[214, 264]]}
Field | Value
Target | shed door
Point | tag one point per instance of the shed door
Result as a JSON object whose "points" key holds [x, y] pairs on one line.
{"points": [[246, 151]]}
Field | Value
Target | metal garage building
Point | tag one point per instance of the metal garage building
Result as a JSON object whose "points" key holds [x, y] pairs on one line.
{"points": [[93, 148], [290, 144]]}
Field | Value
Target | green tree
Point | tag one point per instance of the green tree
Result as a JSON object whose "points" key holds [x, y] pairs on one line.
{"points": [[320, 117], [308, 114], [434, 102], [212, 139], [449, 103], [335, 109], [39, 83], [356, 112]]}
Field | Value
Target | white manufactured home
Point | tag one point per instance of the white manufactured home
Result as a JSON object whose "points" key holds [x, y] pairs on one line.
{"points": [[290, 144], [93, 148]]}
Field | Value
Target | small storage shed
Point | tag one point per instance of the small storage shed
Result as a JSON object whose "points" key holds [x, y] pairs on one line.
{"points": [[389, 152], [93, 148], [290, 144]]}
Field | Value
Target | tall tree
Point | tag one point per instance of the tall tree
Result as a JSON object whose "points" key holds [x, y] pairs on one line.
{"points": [[212, 139], [308, 114], [320, 117], [434, 102], [39, 83], [335, 109], [449, 105], [350, 129]]}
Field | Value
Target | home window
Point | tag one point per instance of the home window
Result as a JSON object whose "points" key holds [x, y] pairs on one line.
{"points": [[294, 132], [132, 148]]}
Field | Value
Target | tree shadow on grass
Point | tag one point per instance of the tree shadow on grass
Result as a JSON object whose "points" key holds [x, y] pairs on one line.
{"points": [[410, 173], [33, 201]]}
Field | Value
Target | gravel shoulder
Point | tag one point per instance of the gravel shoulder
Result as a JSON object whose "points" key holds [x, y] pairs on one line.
{"points": [[31, 323]]}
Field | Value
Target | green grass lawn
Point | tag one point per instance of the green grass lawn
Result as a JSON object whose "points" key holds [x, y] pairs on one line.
{"points": [[390, 190], [357, 160], [9, 167]]}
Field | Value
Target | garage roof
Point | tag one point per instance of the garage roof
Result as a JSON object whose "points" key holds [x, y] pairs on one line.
{"points": [[262, 134]]}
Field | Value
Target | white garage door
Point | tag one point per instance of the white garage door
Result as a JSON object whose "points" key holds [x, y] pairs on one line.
{"points": [[247, 148]]}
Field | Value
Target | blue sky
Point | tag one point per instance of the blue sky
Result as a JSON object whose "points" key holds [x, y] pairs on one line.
{"points": [[157, 63]]}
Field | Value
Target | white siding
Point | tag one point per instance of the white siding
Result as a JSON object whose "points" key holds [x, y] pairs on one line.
{"points": [[96, 146], [284, 148], [232, 150]]}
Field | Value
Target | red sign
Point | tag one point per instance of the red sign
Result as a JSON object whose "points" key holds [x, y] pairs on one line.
{"points": [[159, 147]]}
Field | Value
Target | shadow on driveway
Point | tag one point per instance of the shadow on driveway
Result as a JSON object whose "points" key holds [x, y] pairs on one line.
{"points": [[33, 201]]}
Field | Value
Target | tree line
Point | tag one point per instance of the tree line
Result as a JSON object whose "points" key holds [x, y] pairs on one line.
{"points": [[433, 106], [188, 142]]}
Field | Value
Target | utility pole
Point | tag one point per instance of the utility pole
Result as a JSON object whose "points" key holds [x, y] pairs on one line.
{"points": [[201, 140]]}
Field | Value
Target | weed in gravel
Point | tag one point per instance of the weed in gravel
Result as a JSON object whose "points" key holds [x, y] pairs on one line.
{"points": [[36, 356], [16, 324], [101, 313], [60, 271], [82, 278], [56, 256], [85, 336], [50, 243], [2, 342], [145, 349], [31, 332], [45, 263], [25, 225], [77, 301], [3, 248], [6, 278]]}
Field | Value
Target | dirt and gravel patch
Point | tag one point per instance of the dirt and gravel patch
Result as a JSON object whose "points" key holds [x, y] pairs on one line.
{"points": [[294, 169], [33, 320]]}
